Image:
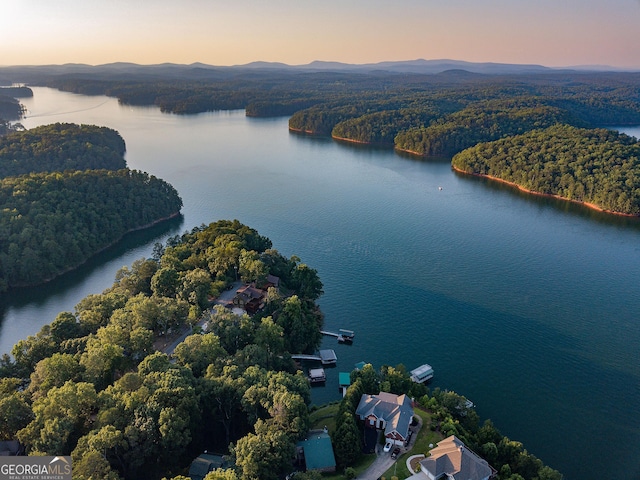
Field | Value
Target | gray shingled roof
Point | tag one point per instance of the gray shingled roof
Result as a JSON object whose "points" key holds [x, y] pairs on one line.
{"points": [[396, 410]]}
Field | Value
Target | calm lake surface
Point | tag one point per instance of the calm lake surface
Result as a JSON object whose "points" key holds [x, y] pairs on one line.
{"points": [[527, 306]]}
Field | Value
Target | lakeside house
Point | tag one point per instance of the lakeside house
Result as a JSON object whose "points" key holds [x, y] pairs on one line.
{"points": [[451, 459], [387, 412], [251, 298]]}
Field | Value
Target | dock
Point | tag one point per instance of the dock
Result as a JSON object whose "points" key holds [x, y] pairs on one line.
{"points": [[344, 381], [326, 357], [343, 335], [316, 375], [422, 374]]}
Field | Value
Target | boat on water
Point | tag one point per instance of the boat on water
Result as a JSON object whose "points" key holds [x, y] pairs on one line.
{"points": [[422, 374]]}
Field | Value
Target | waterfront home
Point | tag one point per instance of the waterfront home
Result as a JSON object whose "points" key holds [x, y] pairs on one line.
{"points": [[451, 459], [250, 298], [389, 413]]}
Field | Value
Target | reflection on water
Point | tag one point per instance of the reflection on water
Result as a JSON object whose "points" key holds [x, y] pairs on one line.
{"points": [[526, 305]]}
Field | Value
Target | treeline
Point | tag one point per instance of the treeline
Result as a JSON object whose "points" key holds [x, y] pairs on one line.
{"points": [[92, 384], [16, 92], [595, 166], [477, 123], [65, 194], [451, 414], [53, 222], [381, 128], [59, 147]]}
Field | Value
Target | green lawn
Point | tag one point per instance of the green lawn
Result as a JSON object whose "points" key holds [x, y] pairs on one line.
{"points": [[360, 466], [325, 416], [423, 440]]}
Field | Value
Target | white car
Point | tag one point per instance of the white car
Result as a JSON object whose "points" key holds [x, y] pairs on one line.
{"points": [[387, 447]]}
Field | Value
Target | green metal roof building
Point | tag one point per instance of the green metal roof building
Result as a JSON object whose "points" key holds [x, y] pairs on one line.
{"points": [[318, 451]]}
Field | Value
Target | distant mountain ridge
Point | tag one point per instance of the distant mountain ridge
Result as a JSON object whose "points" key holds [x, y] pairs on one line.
{"points": [[124, 71], [418, 66]]}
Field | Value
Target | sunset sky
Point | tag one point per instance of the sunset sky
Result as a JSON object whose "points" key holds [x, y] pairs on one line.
{"points": [[221, 32]]}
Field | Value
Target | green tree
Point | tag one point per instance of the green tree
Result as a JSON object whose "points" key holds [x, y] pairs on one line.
{"points": [[165, 282], [251, 268], [270, 337], [346, 439], [301, 325], [61, 417], [222, 474], [15, 414], [265, 455], [306, 282], [53, 371], [195, 288], [199, 351]]}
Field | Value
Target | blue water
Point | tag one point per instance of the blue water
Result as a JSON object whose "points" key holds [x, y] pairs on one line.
{"points": [[527, 306]]}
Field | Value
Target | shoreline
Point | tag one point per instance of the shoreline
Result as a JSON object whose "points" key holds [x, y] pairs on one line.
{"points": [[592, 206], [115, 242]]}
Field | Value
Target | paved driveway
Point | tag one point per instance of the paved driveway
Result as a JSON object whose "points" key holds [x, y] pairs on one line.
{"points": [[384, 462], [380, 465], [224, 298]]}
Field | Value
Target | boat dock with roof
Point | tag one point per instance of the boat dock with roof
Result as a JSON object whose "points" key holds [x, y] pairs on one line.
{"points": [[422, 374]]}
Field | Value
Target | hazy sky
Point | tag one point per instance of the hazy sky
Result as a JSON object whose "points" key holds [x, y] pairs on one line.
{"points": [[231, 32]]}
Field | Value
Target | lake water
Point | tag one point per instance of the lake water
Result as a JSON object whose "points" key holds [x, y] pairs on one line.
{"points": [[527, 306]]}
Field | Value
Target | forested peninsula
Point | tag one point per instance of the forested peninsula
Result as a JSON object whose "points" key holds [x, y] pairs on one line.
{"points": [[597, 167], [96, 384], [66, 194]]}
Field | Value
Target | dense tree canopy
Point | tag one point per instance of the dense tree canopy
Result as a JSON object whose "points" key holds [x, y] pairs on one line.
{"points": [[97, 389], [595, 166], [479, 123], [51, 222], [59, 147]]}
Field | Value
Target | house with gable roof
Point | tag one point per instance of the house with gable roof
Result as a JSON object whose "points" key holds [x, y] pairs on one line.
{"points": [[250, 298], [388, 412], [451, 459]]}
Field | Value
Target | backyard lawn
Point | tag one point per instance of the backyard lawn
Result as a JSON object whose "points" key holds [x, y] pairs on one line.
{"points": [[325, 416]]}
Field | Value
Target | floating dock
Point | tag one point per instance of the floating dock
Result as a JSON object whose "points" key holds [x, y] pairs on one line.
{"points": [[343, 335]]}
